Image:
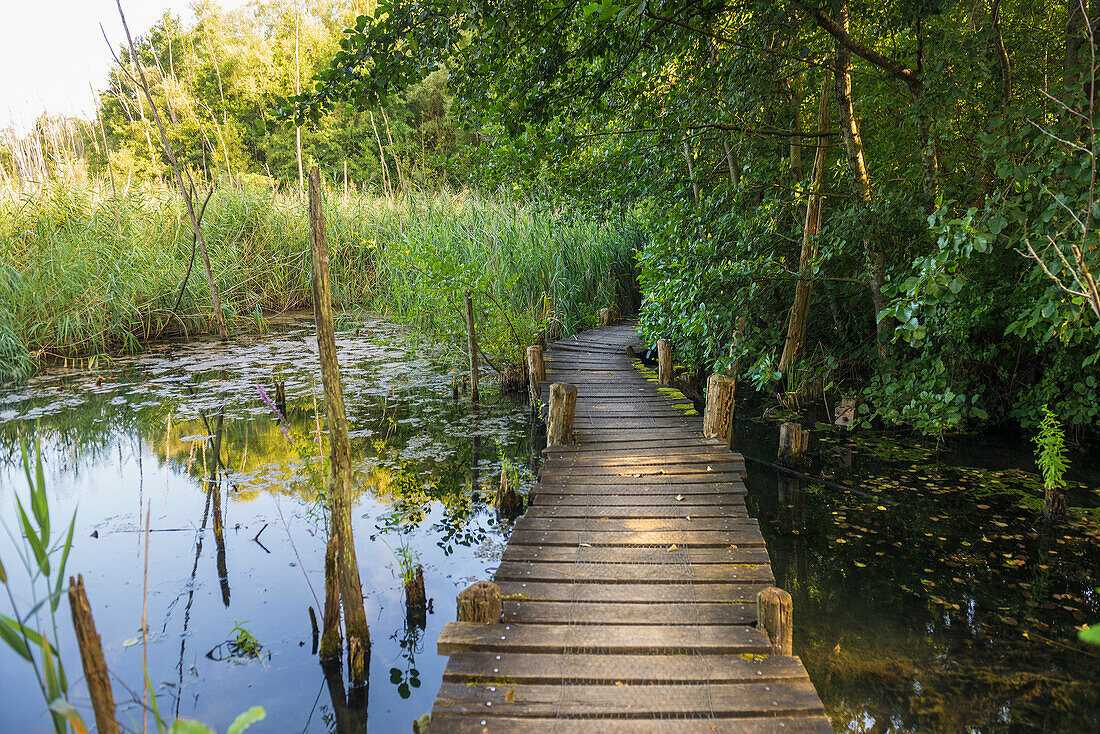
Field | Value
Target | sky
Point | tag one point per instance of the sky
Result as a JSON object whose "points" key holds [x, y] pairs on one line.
{"points": [[51, 50]]}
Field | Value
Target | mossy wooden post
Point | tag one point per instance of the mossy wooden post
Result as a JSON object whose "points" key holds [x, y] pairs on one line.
{"points": [[91, 657], [793, 441], [471, 339], [347, 567], [775, 615], [664, 362], [536, 374], [331, 642], [480, 603], [563, 406], [718, 417], [415, 596], [607, 317]]}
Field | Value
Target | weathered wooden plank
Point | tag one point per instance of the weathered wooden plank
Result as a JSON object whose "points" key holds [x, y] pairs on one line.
{"points": [[579, 477], [627, 669], [609, 639], [669, 510], [517, 552], [624, 524], [596, 500], [747, 536], [633, 573], [550, 612], [608, 593], [480, 723], [653, 486], [777, 698]]}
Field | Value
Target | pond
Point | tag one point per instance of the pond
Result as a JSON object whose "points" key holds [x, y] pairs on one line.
{"points": [[235, 564], [929, 595]]}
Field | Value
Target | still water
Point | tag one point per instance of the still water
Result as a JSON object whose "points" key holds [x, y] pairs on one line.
{"points": [[245, 552]]}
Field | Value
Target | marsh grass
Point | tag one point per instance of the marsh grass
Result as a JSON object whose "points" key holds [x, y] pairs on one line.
{"points": [[84, 271]]}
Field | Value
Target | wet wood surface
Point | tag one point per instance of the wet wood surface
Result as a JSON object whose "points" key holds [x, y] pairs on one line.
{"points": [[629, 586]]}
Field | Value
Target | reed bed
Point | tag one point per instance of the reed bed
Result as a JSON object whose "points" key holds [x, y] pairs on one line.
{"points": [[87, 272]]}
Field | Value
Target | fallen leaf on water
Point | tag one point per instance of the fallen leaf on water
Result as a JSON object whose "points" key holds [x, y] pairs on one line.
{"points": [[672, 548], [860, 565]]}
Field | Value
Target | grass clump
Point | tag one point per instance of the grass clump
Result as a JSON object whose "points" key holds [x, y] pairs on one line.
{"points": [[84, 271]]}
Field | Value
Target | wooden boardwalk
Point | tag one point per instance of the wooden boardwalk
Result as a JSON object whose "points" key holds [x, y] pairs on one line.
{"points": [[630, 584]]}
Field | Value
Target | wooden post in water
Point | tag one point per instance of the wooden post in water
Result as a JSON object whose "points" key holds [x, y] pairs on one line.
{"points": [[508, 503], [793, 441], [664, 362], [607, 317], [775, 615], [471, 338], [347, 568], [480, 603], [536, 373], [91, 657], [331, 642], [718, 416], [563, 406]]}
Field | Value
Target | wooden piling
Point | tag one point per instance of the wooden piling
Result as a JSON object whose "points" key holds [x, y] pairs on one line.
{"points": [[793, 441], [331, 641], [536, 374], [563, 406], [607, 317], [471, 340], [91, 657], [481, 603], [775, 615], [415, 596], [718, 416], [664, 362], [340, 479]]}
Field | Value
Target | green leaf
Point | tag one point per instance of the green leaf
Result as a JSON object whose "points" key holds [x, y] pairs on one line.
{"points": [[189, 726], [247, 719], [61, 567], [10, 635], [3, 574], [37, 546], [1090, 635]]}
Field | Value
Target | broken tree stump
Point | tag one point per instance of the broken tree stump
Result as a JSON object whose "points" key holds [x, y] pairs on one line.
{"points": [[775, 615], [718, 416], [664, 362], [508, 503], [559, 424], [607, 317], [481, 603], [793, 441], [91, 657], [471, 342], [845, 413]]}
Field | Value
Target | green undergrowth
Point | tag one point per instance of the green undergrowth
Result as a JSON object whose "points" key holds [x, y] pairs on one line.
{"points": [[85, 272]]}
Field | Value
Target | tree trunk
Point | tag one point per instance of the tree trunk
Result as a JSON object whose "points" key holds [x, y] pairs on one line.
{"points": [[1003, 63], [731, 161], [691, 171], [796, 128], [800, 311], [861, 181], [351, 590]]}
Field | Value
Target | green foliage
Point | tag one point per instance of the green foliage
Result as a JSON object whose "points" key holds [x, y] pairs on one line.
{"points": [[242, 722], [243, 643], [1050, 453]]}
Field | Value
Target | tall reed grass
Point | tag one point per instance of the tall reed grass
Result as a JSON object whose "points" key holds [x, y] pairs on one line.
{"points": [[85, 272]]}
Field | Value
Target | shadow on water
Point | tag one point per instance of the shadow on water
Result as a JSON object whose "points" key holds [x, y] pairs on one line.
{"points": [[184, 429], [929, 594]]}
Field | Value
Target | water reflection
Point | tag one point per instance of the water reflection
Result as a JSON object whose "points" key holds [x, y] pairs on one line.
{"points": [[930, 597], [186, 430]]}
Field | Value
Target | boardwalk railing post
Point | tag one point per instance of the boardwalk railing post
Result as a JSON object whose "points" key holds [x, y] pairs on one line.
{"points": [[536, 373], [718, 416], [508, 503], [607, 317], [775, 615], [563, 406], [664, 362], [480, 603]]}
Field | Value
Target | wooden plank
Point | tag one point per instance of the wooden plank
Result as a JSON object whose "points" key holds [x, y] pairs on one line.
{"points": [[747, 536], [654, 486], [789, 697], [629, 593], [733, 639], [484, 722], [646, 512], [596, 499], [632, 476], [516, 552], [656, 458], [633, 573], [550, 612], [635, 669], [625, 524]]}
